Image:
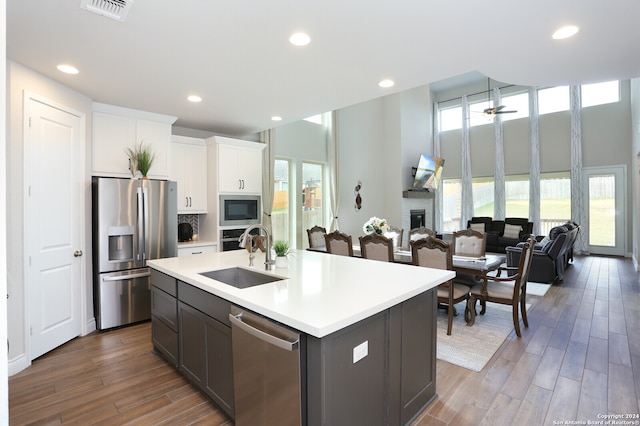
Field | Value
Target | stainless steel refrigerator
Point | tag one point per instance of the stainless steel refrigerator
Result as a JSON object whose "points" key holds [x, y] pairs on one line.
{"points": [[133, 220]]}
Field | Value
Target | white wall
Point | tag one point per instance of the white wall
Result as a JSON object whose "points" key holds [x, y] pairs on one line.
{"points": [[635, 170], [378, 143], [21, 79], [4, 391]]}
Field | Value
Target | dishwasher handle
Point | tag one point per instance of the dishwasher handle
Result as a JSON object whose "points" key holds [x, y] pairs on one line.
{"points": [[266, 337]]}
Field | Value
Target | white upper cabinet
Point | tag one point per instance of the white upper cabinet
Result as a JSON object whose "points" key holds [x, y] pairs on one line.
{"points": [[189, 169], [239, 166], [116, 128]]}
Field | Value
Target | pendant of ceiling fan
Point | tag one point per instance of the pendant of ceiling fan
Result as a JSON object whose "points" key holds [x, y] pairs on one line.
{"points": [[497, 109]]}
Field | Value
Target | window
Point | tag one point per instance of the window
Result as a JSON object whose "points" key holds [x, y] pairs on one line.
{"points": [[553, 99], [450, 118], [519, 103], [517, 196], [555, 200], [312, 197], [483, 196], [600, 93], [451, 204], [280, 212]]}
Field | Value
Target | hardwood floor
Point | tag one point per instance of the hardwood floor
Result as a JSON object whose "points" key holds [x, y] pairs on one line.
{"points": [[579, 359]]}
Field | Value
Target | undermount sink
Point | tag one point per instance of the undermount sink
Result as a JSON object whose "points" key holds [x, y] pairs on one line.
{"points": [[240, 277]]}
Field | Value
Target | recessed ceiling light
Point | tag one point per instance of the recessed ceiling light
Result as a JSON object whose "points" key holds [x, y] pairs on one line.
{"points": [[299, 39], [565, 32], [276, 118], [386, 83], [68, 69], [194, 98]]}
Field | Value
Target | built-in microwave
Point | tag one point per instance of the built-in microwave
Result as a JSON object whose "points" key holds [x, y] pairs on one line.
{"points": [[240, 210]]}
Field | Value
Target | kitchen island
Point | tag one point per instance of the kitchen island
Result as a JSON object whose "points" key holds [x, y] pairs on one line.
{"points": [[368, 330]]}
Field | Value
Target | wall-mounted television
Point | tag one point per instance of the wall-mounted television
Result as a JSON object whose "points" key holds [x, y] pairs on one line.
{"points": [[428, 173]]}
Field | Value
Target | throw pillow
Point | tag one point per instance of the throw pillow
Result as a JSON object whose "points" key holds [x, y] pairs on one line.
{"points": [[512, 231], [477, 227], [545, 240]]}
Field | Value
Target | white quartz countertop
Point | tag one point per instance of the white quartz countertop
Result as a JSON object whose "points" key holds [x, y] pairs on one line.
{"points": [[320, 293]]}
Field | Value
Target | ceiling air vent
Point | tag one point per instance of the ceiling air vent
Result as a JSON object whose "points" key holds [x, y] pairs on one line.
{"points": [[114, 9]]}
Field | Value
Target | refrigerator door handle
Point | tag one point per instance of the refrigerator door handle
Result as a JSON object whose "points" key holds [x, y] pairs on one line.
{"points": [[126, 277], [145, 222], [140, 222]]}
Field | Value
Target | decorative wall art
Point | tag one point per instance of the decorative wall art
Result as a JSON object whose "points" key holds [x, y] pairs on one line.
{"points": [[358, 205]]}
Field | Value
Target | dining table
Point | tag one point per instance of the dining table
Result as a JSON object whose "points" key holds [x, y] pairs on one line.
{"points": [[476, 268]]}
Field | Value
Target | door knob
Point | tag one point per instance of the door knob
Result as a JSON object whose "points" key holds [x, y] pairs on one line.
{"points": [[77, 253]]}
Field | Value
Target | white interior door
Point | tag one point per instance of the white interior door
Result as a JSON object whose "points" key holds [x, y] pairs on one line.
{"points": [[54, 173], [606, 209]]}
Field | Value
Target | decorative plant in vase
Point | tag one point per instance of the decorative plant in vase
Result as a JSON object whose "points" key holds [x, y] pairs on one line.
{"points": [[282, 250], [376, 225], [141, 157]]}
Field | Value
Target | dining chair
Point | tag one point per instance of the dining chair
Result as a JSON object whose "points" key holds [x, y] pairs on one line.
{"points": [[469, 242], [509, 290], [395, 234], [339, 243], [377, 247], [316, 236], [434, 253], [420, 232]]}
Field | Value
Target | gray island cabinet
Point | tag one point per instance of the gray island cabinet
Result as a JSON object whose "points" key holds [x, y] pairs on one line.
{"points": [[367, 331]]}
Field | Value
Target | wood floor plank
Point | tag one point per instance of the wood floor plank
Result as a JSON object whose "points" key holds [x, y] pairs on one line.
{"points": [[593, 395], [564, 402], [547, 372], [597, 358], [621, 399], [533, 408], [579, 357], [574, 358], [520, 378]]}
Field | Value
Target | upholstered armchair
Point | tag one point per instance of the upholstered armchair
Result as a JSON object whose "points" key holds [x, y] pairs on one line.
{"points": [[434, 253], [420, 232], [316, 236], [339, 243], [469, 242], [377, 247]]}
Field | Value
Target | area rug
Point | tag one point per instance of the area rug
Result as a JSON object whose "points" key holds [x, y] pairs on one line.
{"points": [[472, 347]]}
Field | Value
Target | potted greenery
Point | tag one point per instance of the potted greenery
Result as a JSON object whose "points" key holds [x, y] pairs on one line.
{"points": [[141, 159], [282, 249]]}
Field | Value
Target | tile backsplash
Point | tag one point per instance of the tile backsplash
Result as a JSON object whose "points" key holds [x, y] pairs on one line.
{"points": [[191, 219]]}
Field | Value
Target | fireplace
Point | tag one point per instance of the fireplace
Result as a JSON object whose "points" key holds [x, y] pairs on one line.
{"points": [[416, 218]]}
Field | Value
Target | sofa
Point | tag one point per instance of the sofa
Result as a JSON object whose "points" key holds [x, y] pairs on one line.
{"points": [[502, 233], [551, 254]]}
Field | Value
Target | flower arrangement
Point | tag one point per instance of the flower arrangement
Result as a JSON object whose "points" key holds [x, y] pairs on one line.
{"points": [[376, 225]]}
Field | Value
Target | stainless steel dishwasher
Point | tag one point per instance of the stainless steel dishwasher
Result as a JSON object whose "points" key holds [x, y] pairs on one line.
{"points": [[266, 371]]}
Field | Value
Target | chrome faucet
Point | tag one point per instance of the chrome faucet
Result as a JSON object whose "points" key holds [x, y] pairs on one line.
{"points": [[243, 243]]}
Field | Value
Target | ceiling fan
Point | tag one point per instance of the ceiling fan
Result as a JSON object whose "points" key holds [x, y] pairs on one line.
{"points": [[500, 109]]}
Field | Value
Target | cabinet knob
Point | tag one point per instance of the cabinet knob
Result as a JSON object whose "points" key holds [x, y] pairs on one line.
{"points": [[77, 253]]}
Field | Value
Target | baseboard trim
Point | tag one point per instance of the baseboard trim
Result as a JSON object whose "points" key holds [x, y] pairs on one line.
{"points": [[16, 365]]}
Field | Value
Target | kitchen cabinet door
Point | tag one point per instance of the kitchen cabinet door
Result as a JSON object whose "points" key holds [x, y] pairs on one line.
{"points": [[189, 169], [157, 135], [239, 167], [112, 134], [192, 341], [114, 129], [219, 384]]}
